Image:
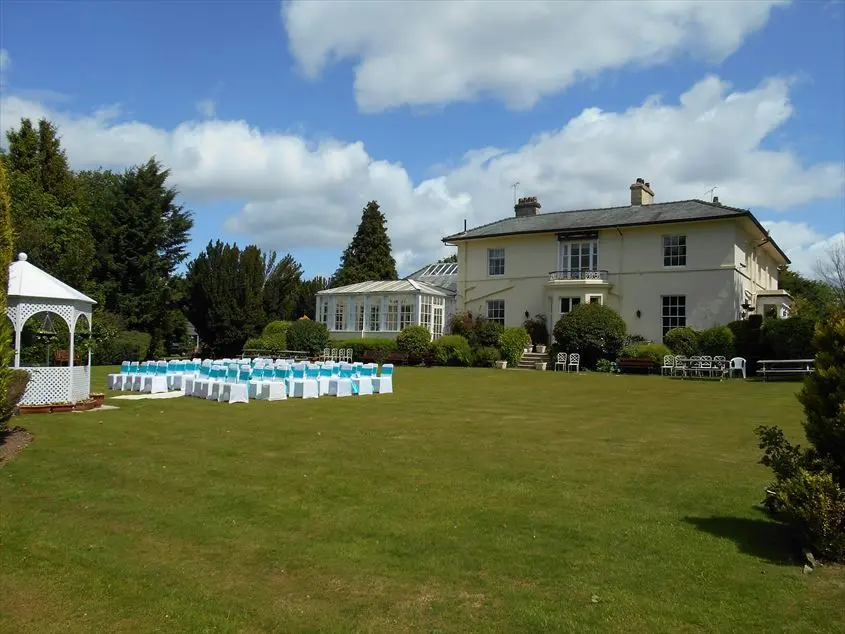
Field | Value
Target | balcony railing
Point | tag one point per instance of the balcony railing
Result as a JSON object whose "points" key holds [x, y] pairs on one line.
{"points": [[578, 274]]}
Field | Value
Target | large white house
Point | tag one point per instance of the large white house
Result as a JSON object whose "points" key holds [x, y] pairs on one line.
{"points": [[660, 265], [383, 308]]}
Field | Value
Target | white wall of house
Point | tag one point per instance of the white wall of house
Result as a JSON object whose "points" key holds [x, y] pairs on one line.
{"points": [[381, 315], [638, 283]]}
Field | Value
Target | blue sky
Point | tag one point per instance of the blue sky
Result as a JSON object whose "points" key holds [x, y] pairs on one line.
{"points": [[280, 122]]}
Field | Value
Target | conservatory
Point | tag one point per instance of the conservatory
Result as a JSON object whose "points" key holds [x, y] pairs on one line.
{"points": [[40, 299], [383, 308]]}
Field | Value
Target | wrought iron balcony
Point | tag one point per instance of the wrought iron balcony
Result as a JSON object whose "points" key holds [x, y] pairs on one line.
{"points": [[578, 274]]}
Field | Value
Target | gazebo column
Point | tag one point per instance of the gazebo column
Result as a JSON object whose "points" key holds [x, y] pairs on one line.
{"points": [[365, 316], [72, 331], [418, 310]]}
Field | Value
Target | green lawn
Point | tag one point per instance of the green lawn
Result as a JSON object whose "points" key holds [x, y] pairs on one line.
{"points": [[470, 501]]}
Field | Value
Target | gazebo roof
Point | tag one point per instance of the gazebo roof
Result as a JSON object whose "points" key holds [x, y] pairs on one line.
{"points": [[27, 280]]}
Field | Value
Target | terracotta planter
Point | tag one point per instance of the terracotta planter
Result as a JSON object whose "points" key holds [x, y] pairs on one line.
{"points": [[34, 409], [63, 407], [97, 399]]}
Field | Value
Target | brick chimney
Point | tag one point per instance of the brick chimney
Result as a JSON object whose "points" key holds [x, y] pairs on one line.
{"points": [[641, 193], [527, 206]]}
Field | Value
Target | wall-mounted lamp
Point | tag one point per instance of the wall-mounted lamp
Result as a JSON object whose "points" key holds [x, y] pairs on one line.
{"points": [[639, 314]]}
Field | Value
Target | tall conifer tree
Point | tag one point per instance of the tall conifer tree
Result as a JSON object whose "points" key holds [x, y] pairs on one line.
{"points": [[368, 256]]}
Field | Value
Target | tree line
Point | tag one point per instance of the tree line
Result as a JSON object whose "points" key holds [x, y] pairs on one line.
{"points": [[122, 238]]}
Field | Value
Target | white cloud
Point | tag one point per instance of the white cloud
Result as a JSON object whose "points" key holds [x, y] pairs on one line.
{"points": [[297, 193], [435, 52], [207, 108], [5, 65], [803, 244]]}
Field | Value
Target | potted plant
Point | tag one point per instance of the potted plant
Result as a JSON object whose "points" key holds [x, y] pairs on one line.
{"points": [[540, 365], [34, 409], [97, 398], [500, 365], [540, 348], [58, 408]]}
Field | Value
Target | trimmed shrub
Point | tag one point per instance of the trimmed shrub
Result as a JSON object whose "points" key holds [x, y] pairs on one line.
{"points": [[682, 341], [452, 350], [654, 352], [790, 338], [815, 505], [127, 345], [308, 335], [537, 330], [593, 330], [486, 333], [254, 343], [632, 339], [462, 324], [414, 341], [716, 341], [604, 365], [276, 328], [486, 356], [512, 343], [377, 347]]}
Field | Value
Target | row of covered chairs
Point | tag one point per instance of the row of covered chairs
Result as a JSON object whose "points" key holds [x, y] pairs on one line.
{"points": [[235, 382]]}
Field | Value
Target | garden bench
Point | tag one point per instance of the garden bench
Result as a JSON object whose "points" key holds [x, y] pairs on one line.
{"points": [[629, 364], [372, 356], [397, 358], [784, 367]]}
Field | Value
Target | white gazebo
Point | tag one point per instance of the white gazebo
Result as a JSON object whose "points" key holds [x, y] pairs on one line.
{"points": [[31, 292]]}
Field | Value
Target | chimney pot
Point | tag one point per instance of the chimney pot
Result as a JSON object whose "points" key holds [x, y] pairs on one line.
{"points": [[716, 200], [526, 206], [641, 193]]}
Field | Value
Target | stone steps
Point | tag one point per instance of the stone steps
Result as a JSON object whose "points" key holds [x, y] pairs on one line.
{"points": [[530, 358]]}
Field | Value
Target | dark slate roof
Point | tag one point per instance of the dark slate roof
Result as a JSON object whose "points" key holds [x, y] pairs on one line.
{"points": [[609, 217]]}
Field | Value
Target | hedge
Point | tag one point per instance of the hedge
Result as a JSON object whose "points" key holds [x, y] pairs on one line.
{"points": [[716, 341], [415, 341], [654, 352], [308, 336], [682, 341], [452, 350], [486, 356]]}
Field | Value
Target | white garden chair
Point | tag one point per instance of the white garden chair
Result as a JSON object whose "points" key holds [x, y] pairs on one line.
{"points": [[560, 361], [668, 364], [574, 362], [737, 365]]}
